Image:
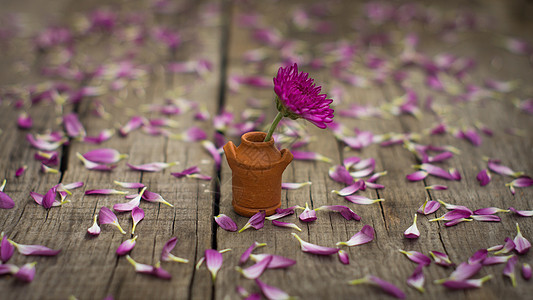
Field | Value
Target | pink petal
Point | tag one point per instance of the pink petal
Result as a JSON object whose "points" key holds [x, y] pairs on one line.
{"points": [[105, 192], [361, 199], [526, 271], [436, 187], [345, 211], [521, 182], [94, 166], [270, 292], [386, 286], [486, 218], [200, 176], [507, 247], [465, 271], [417, 257], [126, 246], [246, 254], [509, 269], [521, 243], [211, 148], [453, 215], [167, 256], [24, 121], [35, 250], [315, 249], [94, 229], [226, 222], [365, 235], [436, 171], [6, 250], [417, 176], [478, 257], [20, 171], [277, 262], [43, 144], [412, 232], [128, 206], [49, 197], [129, 185], [489, 211], [308, 215], [73, 126], [428, 207], [154, 197], [189, 171], [257, 221], [5, 201], [213, 262], [495, 166], [104, 156], [343, 257], [283, 212], [151, 167], [441, 259], [466, 284], [494, 260], [301, 155], [285, 225], [257, 269], [483, 177], [106, 216], [457, 221], [26, 273], [340, 174], [522, 213], [416, 280], [294, 185], [134, 123], [137, 214]]}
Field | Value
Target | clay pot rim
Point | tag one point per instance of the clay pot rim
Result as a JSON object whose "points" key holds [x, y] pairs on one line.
{"points": [[245, 139]]}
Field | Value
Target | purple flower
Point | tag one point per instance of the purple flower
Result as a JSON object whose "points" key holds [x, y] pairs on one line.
{"points": [[167, 256], [299, 97], [417, 176], [386, 286], [225, 222]]}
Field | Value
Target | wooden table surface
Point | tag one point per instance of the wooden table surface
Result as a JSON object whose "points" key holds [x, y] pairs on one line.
{"points": [[356, 50]]}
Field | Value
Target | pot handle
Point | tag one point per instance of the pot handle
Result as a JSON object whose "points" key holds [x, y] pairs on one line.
{"points": [[229, 150], [286, 157]]}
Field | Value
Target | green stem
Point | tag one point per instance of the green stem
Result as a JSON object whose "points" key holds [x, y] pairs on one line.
{"points": [[273, 127]]}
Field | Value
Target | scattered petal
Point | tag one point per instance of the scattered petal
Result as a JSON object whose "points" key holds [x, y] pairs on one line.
{"points": [[417, 257], [6, 249], [137, 214], [105, 192], [351, 189], [441, 259], [478, 257], [308, 215], [246, 254], [213, 262], [507, 247], [154, 197], [277, 262], [483, 177], [126, 246], [283, 212], [428, 207], [495, 166], [386, 286], [26, 273], [453, 215], [129, 206], [301, 155], [50, 197], [489, 211], [34, 250], [522, 213], [494, 260], [189, 171], [526, 271], [466, 284], [510, 268], [257, 221], [257, 269], [152, 167], [156, 270], [412, 232], [94, 166], [20, 171], [294, 186], [521, 243], [356, 199], [167, 256], [226, 222], [486, 218], [343, 257], [416, 280], [286, 225], [129, 185], [94, 229], [104, 156], [365, 235], [436, 187], [315, 249], [106, 216], [417, 176], [345, 211], [272, 293]]}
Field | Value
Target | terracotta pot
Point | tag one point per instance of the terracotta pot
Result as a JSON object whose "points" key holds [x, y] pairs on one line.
{"points": [[257, 167]]}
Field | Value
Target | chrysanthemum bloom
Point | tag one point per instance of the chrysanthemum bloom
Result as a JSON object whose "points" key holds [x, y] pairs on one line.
{"points": [[297, 96]]}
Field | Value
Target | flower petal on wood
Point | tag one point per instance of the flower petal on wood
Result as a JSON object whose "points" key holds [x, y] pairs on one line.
{"points": [[416, 280], [246, 254], [386, 286], [257, 269], [137, 214], [35, 250], [106, 216], [294, 185], [226, 222], [365, 235], [412, 232], [315, 249], [343, 257], [522, 213], [272, 293], [257, 221], [213, 262], [417, 257], [167, 256], [345, 211], [126, 246], [154, 197], [129, 185], [105, 192], [104, 156], [26, 273], [356, 199], [277, 262], [308, 215], [94, 229], [526, 271], [522, 245], [6, 249], [441, 259], [151, 167]]}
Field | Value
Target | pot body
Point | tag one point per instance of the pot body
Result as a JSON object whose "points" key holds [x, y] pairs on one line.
{"points": [[257, 168]]}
